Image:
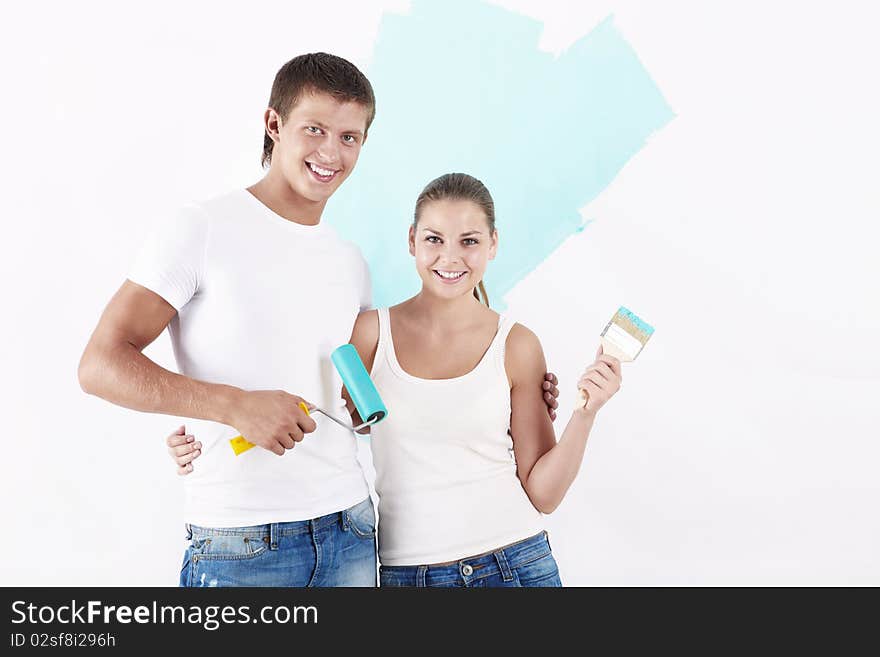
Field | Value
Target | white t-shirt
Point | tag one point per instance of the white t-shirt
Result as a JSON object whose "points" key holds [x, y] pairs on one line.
{"points": [[261, 303]]}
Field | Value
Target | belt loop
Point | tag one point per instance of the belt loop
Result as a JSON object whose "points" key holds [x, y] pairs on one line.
{"points": [[420, 576], [189, 531], [506, 573], [273, 536]]}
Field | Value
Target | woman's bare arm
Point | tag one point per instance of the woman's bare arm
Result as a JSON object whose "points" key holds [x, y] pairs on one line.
{"points": [[546, 468]]}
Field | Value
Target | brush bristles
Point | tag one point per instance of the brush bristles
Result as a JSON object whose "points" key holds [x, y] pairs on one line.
{"points": [[632, 325]]}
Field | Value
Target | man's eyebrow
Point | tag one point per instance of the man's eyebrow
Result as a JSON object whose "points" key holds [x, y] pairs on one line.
{"points": [[324, 126], [315, 122]]}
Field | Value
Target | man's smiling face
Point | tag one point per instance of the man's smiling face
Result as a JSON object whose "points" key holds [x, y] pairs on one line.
{"points": [[318, 144]]}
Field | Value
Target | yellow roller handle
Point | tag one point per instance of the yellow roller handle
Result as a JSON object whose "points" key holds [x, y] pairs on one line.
{"points": [[240, 444]]}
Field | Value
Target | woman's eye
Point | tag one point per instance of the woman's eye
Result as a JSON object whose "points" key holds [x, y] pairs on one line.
{"points": [[314, 130], [433, 239], [469, 241]]}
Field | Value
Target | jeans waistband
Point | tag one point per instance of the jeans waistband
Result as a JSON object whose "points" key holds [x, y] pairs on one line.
{"points": [[508, 557], [271, 530]]}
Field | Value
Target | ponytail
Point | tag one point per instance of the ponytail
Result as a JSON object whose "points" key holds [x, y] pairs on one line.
{"points": [[482, 291]]}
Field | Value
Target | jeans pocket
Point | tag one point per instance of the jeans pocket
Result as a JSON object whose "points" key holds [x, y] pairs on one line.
{"points": [[228, 547], [362, 519], [391, 578], [541, 572]]}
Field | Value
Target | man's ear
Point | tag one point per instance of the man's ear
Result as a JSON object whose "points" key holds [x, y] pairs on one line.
{"points": [[493, 247], [412, 240], [272, 123]]}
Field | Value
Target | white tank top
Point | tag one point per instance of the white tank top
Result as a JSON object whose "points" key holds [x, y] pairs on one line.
{"points": [[445, 470]]}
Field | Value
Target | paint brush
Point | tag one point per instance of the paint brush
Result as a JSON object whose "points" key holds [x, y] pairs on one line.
{"points": [[623, 337]]}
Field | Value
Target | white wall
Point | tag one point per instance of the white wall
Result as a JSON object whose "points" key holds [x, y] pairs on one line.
{"points": [[743, 447]]}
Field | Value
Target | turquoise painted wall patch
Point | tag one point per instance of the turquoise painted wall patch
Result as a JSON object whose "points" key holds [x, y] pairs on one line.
{"points": [[462, 86]]}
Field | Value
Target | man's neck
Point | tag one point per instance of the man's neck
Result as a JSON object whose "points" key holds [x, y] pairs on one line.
{"points": [[274, 192]]}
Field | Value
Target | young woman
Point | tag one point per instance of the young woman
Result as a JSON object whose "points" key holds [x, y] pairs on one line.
{"points": [[467, 460]]}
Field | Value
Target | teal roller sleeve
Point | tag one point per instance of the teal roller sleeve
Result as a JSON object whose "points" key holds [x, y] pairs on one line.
{"points": [[358, 383]]}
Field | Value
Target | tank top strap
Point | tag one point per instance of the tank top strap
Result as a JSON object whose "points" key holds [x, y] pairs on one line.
{"points": [[381, 358], [505, 323]]}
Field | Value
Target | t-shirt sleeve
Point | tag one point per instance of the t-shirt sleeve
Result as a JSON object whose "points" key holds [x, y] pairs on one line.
{"points": [[366, 291], [171, 261]]}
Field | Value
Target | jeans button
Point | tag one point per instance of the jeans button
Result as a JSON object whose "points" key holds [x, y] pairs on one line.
{"points": [[467, 570]]}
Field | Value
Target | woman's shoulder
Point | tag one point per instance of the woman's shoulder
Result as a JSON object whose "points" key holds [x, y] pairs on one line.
{"points": [[366, 326], [522, 350], [368, 316], [522, 337], [365, 336]]}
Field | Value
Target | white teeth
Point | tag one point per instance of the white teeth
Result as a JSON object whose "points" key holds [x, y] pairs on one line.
{"points": [[450, 274], [320, 171]]}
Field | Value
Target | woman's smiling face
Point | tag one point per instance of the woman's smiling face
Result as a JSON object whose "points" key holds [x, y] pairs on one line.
{"points": [[452, 245]]}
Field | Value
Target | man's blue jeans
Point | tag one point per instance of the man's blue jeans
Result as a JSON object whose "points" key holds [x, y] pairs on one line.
{"points": [[338, 549]]}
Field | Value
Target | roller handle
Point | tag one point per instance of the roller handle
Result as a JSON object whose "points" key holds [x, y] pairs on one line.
{"points": [[240, 444]]}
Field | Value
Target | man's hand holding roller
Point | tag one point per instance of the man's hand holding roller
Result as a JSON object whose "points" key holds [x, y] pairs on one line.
{"points": [[271, 419]]}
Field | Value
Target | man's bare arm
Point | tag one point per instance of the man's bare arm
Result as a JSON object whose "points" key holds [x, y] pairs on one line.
{"points": [[112, 367]]}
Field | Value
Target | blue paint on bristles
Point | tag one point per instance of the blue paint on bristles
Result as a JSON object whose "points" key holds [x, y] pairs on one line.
{"points": [[640, 324]]}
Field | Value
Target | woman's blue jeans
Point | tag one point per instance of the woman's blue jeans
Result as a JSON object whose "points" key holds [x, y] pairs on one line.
{"points": [[523, 564]]}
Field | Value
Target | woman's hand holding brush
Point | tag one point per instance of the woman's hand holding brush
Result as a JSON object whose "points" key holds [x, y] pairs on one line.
{"points": [[599, 382]]}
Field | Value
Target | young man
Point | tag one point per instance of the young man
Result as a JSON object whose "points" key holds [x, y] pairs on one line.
{"points": [[257, 293]]}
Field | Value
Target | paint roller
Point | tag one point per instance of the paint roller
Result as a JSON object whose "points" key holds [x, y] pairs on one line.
{"points": [[360, 387]]}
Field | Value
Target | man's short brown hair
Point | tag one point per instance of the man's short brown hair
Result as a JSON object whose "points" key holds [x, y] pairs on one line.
{"points": [[318, 72]]}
